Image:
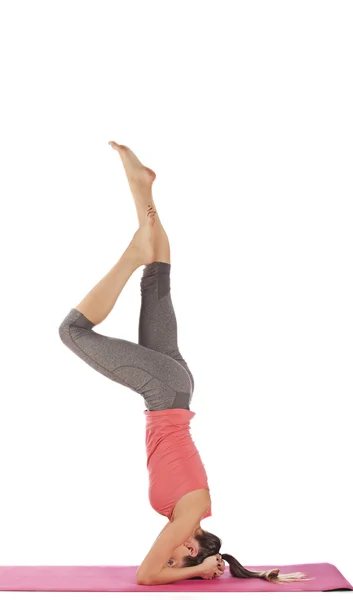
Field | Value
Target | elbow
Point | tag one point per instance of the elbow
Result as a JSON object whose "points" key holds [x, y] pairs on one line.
{"points": [[142, 580]]}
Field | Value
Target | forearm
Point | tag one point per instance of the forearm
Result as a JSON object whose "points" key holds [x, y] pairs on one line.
{"points": [[171, 574]]}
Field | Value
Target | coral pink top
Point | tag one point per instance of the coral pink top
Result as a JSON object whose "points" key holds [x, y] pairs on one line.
{"points": [[173, 461]]}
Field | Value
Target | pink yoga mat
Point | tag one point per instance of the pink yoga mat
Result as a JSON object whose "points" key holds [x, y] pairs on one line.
{"points": [[122, 579]]}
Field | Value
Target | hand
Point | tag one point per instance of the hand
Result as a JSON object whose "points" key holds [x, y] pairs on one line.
{"points": [[212, 567]]}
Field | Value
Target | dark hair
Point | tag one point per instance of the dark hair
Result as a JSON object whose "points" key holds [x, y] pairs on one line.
{"points": [[210, 544]]}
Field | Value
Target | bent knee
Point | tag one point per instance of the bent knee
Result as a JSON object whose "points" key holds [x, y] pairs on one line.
{"points": [[74, 321], [64, 331]]}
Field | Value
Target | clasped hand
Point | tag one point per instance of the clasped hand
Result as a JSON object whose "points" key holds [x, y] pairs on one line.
{"points": [[212, 567]]}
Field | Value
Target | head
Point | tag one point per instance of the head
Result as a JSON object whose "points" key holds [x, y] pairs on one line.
{"points": [[203, 544], [190, 548]]}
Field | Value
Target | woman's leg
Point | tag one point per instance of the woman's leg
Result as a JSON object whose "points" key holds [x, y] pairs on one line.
{"points": [[157, 325], [99, 302], [140, 179], [161, 380]]}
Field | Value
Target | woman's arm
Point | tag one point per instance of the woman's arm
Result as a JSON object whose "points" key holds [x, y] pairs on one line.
{"points": [[173, 535], [210, 567], [170, 575]]}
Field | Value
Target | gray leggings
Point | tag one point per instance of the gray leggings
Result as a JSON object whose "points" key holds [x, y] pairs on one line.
{"points": [[154, 367]]}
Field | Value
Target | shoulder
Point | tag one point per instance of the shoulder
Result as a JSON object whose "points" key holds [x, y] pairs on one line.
{"points": [[194, 503]]}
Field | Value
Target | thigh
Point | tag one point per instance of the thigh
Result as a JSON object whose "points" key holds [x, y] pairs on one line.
{"points": [[158, 328], [160, 379]]}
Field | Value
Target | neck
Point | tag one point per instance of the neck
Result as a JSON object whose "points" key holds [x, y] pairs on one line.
{"points": [[197, 529]]}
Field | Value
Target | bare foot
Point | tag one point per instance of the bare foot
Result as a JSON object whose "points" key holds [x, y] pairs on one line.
{"points": [[140, 180], [143, 242], [135, 170]]}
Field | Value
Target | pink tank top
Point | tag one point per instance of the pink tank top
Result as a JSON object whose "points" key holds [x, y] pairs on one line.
{"points": [[173, 461]]}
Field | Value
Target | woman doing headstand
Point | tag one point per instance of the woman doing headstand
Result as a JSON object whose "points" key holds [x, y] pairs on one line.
{"points": [[155, 369]]}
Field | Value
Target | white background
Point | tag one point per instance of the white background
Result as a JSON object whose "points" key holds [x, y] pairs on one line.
{"points": [[244, 110]]}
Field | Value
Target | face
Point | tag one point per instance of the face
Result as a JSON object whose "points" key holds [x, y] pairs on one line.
{"points": [[188, 548]]}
